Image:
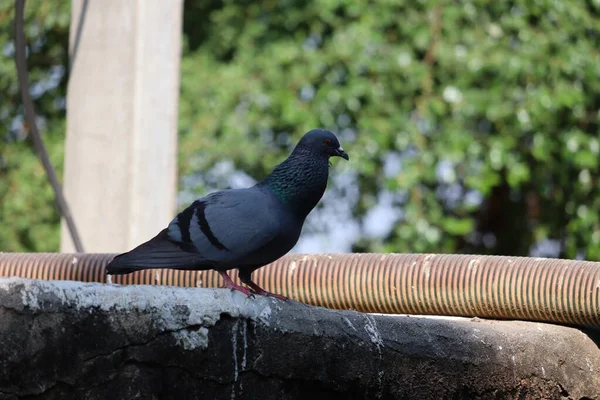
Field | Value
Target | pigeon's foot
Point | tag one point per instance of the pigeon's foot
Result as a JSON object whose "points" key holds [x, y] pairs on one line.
{"points": [[260, 291], [233, 286]]}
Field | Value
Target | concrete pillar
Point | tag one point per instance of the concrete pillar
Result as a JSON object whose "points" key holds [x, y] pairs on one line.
{"points": [[121, 149]]}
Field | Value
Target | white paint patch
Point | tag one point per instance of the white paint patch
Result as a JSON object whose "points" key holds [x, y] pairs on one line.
{"points": [[109, 279], [235, 358], [373, 333], [157, 278], [293, 266], [426, 270], [244, 355], [473, 264], [475, 335], [348, 322], [265, 315], [514, 367], [427, 265], [308, 258], [543, 372], [235, 331], [598, 285], [30, 298], [375, 336], [380, 382], [74, 260], [191, 340], [245, 343]]}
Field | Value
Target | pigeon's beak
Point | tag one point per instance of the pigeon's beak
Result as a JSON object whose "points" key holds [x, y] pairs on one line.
{"points": [[341, 153]]}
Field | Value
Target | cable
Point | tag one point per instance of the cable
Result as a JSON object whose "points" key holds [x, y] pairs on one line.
{"points": [[20, 48]]}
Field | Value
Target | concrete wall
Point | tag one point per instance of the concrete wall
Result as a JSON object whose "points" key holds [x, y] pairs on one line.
{"points": [[120, 164], [73, 340]]}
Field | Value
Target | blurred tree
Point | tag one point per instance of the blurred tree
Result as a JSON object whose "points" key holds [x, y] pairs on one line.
{"points": [[29, 220], [476, 121], [480, 118]]}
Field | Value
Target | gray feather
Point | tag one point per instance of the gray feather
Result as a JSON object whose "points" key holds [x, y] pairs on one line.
{"points": [[237, 222]]}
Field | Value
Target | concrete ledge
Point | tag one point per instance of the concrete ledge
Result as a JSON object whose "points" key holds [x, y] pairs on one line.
{"points": [[72, 340]]}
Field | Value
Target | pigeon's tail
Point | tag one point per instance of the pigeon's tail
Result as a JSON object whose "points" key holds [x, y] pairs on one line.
{"points": [[158, 252]]}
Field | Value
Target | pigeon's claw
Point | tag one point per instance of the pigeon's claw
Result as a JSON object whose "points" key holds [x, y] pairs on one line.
{"points": [[262, 292], [270, 294], [234, 286]]}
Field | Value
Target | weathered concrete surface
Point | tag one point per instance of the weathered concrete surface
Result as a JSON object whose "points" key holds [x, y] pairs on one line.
{"points": [[71, 340]]}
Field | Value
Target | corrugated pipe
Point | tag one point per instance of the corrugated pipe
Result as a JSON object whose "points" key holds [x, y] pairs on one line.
{"points": [[536, 289]]}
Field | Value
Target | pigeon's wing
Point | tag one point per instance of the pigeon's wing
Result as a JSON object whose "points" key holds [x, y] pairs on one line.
{"points": [[226, 226], [221, 228], [158, 252]]}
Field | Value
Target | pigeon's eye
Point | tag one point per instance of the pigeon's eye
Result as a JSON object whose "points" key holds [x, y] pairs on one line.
{"points": [[327, 142]]}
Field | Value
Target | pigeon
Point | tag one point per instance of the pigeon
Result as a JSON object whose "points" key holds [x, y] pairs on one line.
{"points": [[242, 229]]}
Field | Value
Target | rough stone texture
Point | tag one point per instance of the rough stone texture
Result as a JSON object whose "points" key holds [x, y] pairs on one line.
{"points": [[71, 340]]}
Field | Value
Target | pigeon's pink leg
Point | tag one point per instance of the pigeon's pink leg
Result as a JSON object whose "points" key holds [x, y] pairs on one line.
{"points": [[233, 286]]}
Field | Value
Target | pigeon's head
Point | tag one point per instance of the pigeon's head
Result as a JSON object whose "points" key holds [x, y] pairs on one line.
{"points": [[323, 142]]}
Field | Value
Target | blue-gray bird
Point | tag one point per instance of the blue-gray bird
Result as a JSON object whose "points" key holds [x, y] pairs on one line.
{"points": [[242, 228]]}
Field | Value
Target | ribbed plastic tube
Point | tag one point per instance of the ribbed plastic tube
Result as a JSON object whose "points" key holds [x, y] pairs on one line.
{"points": [[535, 289]]}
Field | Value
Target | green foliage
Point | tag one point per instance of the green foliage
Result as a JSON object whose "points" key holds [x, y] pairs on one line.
{"points": [[490, 109], [28, 215], [505, 95]]}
